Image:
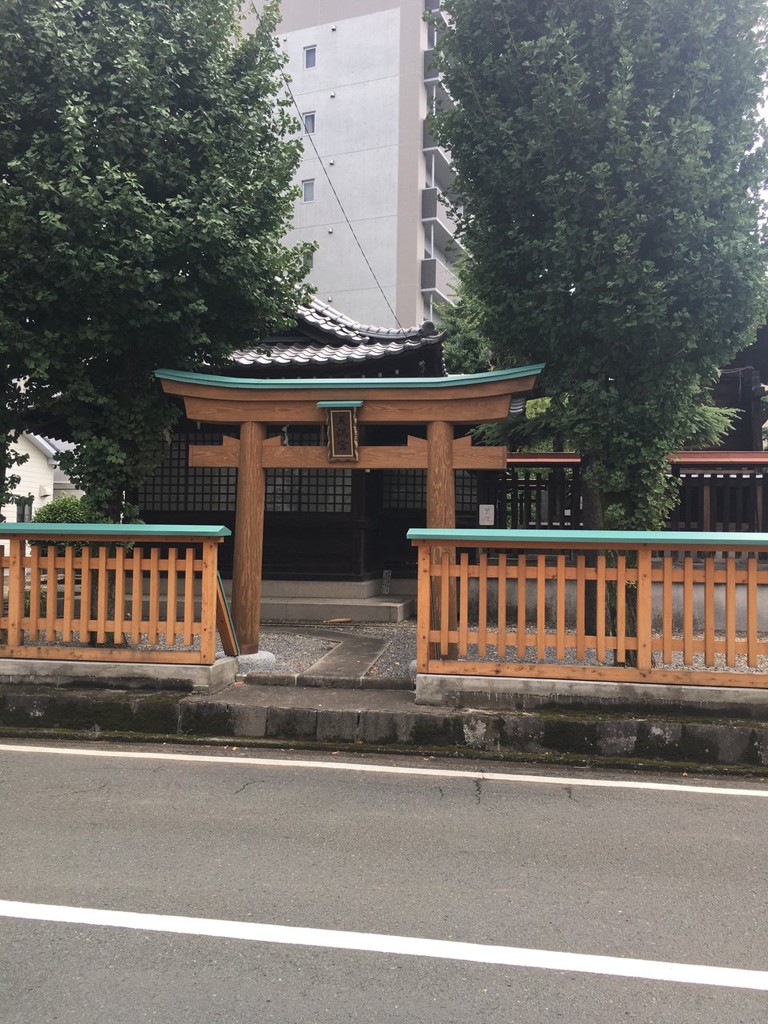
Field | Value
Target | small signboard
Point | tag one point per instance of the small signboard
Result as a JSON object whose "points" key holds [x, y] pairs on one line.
{"points": [[342, 435], [486, 515]]}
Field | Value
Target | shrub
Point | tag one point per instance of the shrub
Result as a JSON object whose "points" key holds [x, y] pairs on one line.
{"points": [[67, 509]]}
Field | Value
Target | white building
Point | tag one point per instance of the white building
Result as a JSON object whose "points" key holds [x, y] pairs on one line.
{"points": [[41, 480], [372, 178]]}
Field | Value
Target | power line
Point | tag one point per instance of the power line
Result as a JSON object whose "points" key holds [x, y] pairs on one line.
{"points": [[333, 187]]}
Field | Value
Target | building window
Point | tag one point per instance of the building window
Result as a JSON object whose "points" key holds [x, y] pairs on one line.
{"points": [[310, 56], [24, 509], [308, 490], [308, 190], [309, 122], [406, 489], [176, 487]]}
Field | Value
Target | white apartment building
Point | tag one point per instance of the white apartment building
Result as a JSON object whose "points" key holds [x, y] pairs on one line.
{"points": [[372, 178]]}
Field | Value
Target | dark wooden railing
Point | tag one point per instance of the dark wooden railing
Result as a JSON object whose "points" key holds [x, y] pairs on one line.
{"points": [[543, 491], [721, 492]]}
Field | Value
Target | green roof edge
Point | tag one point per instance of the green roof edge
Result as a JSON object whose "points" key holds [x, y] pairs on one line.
{"points": [[111, 530], [348, 383], [572, 538]]}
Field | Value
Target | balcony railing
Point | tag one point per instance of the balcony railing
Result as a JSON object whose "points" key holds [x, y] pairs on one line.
{"points": [[436, 277], [430, 69]]}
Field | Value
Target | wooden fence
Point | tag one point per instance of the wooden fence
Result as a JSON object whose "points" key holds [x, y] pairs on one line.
{"points": [[718, 491], [85, 592], [721, 491], [652, 607], [542, 491]]}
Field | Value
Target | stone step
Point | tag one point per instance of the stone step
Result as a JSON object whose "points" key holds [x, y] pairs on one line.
{"points": [[335, 588], [329, 609], [329, 600]]}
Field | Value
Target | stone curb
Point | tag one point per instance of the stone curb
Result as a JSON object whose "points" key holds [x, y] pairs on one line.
{"points": [[319, 681], [646, 738]]}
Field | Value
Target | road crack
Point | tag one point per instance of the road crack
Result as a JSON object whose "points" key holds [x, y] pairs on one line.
{"points": [[97, 789], [245, 785]]}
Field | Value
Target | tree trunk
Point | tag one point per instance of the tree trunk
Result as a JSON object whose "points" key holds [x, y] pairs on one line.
{"points": [[592, 519]]}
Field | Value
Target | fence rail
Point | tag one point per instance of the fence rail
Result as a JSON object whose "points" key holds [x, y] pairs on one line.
{"points": [[88, 592], [651, 607]]}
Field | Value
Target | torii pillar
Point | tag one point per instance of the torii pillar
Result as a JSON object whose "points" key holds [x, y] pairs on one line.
{"points": [[249, 536], [439, 403]]}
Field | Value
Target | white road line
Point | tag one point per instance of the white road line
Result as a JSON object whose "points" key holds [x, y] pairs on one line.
{"points": [[385, 769], [401, 945]]}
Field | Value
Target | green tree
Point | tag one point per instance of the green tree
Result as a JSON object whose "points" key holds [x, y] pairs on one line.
{"points": [[465, 348], [609, 163], [145, 185]]}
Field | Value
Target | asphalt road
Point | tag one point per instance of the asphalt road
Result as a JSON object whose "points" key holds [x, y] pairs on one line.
{"points": [[528, 870]]}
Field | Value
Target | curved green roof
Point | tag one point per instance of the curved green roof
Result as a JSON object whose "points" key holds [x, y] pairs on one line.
{"points": [[351, 383]]}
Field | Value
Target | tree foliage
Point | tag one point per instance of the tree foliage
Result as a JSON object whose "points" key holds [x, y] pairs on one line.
{"points": [[609, 160], [145, 186], [465, 348]]}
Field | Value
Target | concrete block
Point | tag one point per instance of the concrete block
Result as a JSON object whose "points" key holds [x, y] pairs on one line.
{"points": [[716, 744], [326, 590], [759, 743], [316, 609], [249, 721], [206, 718], [515, 693], [337, 726], [89, 711], [291, 723], [432, 690], [521, 733], [481, 732], [20, 709], [377, 727], [660, 740], [270, 679], [570, 735], [432, 730], [111, 675], [220, 675], [617, 738]]}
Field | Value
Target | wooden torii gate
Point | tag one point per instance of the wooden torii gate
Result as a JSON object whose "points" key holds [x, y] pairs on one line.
{"points": [[440, 403]]}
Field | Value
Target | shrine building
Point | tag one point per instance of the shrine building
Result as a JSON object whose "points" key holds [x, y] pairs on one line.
{"points": [[320, 450]]}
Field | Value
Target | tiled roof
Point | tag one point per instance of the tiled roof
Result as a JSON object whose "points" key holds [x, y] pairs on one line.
{"points": [[325, 335]]}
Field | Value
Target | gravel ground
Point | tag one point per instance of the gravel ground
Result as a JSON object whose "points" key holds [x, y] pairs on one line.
{"points": [[295, 652], [302, 649]]}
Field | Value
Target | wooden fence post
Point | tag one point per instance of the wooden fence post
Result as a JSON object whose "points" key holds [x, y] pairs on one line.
{"points": [[15, 590], [644, 608], [208, 603], [423, 607]]}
